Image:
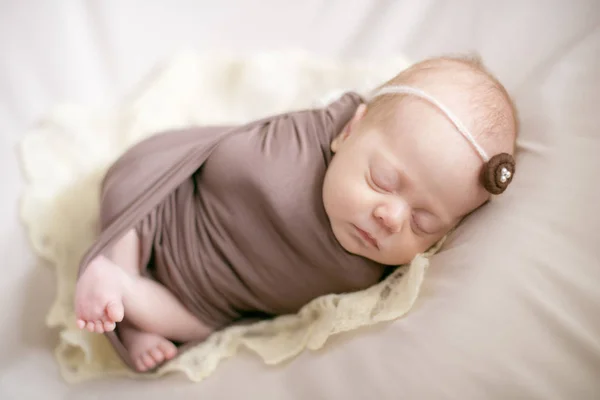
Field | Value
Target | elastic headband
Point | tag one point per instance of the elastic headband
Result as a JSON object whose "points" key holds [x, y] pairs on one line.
{"points": [[497, 172]]}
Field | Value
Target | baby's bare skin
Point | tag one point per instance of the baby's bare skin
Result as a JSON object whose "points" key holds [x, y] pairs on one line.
{"points": [[99, 293], [112, 290]]}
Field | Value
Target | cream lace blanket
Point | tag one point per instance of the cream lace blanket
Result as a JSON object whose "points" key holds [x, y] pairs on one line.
{"points": [[65, 156]]}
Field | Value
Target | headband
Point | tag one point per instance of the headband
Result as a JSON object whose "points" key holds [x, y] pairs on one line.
{"points": [[497, 172]]}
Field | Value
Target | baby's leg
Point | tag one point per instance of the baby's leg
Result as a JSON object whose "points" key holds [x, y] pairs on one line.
{"points": [[112, 288]]}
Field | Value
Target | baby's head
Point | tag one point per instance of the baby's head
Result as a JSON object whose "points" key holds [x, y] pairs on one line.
{"points": [[404, 174]]}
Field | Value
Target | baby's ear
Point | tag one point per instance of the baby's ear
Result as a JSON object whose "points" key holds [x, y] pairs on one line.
{"points": [[349, 127]]}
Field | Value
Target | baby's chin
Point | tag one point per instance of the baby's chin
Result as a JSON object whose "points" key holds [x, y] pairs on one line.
{"points": [[390, 261], [387, 261]]}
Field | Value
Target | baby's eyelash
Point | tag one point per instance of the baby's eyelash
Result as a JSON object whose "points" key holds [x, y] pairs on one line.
{"points": [[374, 186], [379, 186], [415, 226], [418, 227]]}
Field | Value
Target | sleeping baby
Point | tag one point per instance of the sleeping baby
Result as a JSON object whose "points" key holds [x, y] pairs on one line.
{"points": [[206, 227]]}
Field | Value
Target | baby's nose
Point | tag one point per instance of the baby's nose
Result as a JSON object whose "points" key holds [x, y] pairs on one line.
{"points": [[392, 215]]}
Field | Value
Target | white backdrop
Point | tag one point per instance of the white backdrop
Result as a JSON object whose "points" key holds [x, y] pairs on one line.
{"points": [[95, 52]]}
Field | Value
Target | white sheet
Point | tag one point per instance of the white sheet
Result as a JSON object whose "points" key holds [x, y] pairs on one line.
{"points": [[94, 52]]}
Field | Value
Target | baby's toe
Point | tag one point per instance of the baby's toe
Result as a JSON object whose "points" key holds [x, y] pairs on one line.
{"points": [[139, 364], [109, 326], [115, 311], [168, 349], [91, 326], [99, 327], [80, 323], [148, 361], [157, 355]]}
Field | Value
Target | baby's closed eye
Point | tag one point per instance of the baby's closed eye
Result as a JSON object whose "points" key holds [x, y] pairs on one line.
{"points": [[385, 179], [425, 222]]}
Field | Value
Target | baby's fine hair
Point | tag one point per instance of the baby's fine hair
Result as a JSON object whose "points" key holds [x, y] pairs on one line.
{"points": [[493, 110]]}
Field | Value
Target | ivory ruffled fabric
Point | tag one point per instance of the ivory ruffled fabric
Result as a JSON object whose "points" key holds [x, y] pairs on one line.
{"points": [[66, 155]]}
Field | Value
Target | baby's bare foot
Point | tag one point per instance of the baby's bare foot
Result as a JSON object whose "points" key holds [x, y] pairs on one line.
{"points": [[98, 296], [147, 350]]}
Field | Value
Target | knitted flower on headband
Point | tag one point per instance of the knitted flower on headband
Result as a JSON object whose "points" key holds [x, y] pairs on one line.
{"points": [[497, 173]]}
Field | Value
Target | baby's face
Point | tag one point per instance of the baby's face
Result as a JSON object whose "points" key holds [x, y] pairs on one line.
{"points": [[392, 192]]}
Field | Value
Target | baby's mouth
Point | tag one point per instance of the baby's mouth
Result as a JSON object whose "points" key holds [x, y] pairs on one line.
{"points": [[370, 240]]}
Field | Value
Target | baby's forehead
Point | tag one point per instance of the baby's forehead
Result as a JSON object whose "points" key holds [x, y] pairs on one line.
{"points": [[484, 112]]}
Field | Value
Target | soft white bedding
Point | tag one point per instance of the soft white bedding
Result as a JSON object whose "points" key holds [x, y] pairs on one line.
{"points": [[517, 320]]}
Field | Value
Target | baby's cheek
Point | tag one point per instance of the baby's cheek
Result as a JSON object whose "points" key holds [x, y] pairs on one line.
{"points": [[405, 248], [346, 195], [359, 196], [343, 187]]}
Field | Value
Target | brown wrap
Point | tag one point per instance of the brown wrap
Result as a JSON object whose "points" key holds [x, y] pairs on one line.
{"points": [[231, 219]]}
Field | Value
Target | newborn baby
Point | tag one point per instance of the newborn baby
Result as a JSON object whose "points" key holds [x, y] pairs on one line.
{"points": [[206, 227]]}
